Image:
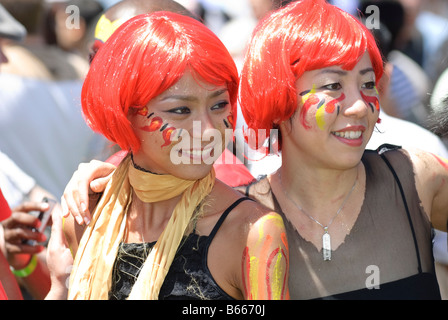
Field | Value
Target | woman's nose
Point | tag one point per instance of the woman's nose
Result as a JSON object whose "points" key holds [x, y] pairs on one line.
{"points": [[203, 127], [355, 105]]}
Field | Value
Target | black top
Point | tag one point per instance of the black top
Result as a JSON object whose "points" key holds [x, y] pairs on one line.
{"points": [[188, 277], [389, 248]]}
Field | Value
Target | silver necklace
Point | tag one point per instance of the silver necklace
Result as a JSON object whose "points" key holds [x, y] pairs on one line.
{"points": [[326, 239]]}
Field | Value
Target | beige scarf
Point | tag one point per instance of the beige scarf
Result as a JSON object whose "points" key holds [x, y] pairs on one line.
{"points": [[92, 270]]}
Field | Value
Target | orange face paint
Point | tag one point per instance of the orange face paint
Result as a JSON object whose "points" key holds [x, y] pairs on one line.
{"points": [[157, 124], [229, 121], [154, 125]]}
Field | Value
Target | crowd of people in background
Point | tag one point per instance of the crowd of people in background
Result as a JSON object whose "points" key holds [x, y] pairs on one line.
{"points": [[44, 136]]}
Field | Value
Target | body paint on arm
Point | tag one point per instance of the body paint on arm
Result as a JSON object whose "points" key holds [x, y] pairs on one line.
{"points": [[265, 264], [442, 161]]}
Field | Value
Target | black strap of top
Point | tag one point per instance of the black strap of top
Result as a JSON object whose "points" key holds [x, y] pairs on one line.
{"points": [[381, 150], [224, 216]]}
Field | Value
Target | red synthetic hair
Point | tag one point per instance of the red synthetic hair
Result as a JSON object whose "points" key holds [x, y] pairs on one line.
{"points": [[302, 36], [144, 57]]}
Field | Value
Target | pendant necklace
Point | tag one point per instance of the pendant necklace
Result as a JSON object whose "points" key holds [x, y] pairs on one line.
{"points": [[326, 239]]}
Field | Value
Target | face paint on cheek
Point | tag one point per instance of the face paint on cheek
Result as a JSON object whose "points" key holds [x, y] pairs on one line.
{"points": [[156, 124], [372, 102], [166, 134], [308, 100], [229, 122], [330, 107], [143, 111]]}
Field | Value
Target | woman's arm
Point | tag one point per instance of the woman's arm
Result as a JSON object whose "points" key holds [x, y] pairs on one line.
{"points": [[431, 176]]}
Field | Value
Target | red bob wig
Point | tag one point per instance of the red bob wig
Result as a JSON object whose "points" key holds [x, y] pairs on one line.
{"points": [[302, 36], [144, 57]]}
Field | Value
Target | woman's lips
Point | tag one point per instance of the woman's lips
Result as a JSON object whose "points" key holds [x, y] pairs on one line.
{"points": [[352, 136]]}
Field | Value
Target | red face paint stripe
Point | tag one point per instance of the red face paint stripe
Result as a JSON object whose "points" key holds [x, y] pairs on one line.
{"points": [[373, 100], [231, 120], [167, 136], [312, 100], [331, 105]]}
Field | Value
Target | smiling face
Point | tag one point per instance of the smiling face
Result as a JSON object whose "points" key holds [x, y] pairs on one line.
{"points": [[336, 115], [187, 122]]}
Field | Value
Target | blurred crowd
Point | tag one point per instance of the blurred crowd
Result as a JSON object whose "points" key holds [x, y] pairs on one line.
{"points": [[43, 136]]}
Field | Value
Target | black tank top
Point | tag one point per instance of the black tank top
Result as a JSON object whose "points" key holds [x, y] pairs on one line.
{"points": [[391, 240], [188, 277]]}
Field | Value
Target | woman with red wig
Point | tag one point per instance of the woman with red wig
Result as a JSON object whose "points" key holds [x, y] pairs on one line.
{"points": [[358, 221], [164, 227]]}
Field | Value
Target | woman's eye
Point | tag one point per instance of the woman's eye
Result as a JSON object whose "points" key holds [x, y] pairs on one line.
{"points": [[332, 86], [220, 105], [180, 110], [369, 85]]}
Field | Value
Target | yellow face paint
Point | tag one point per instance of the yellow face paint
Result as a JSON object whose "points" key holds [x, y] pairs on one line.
{"points": [[320, 116], [105, 28], [309, 99]]}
